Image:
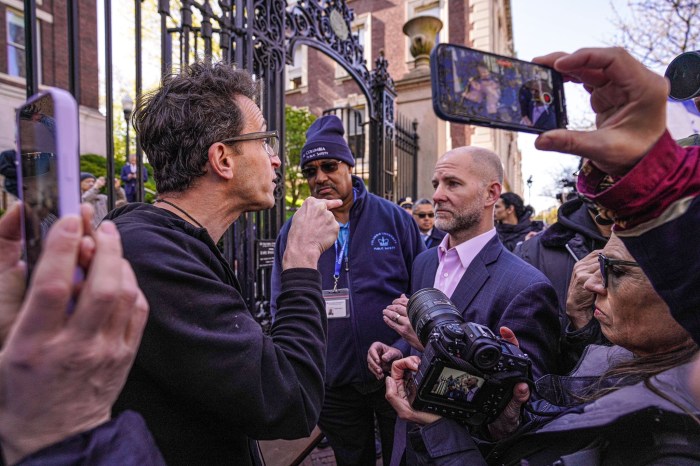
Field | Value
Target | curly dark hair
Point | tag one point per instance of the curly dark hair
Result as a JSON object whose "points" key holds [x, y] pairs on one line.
{"points": [[189, 112]]}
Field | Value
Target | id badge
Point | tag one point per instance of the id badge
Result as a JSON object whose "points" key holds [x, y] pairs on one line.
{"points": [[337, 303]]}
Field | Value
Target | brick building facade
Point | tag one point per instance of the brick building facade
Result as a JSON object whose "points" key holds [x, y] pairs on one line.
{"points": [[315, 81], [52, 30]]}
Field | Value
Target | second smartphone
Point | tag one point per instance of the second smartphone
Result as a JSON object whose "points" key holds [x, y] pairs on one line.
{"points": [[479, 88]]}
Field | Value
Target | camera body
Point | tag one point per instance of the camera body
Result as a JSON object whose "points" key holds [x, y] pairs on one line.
{"points": [[467, 373]]}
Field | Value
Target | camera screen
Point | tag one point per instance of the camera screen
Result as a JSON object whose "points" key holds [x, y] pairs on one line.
{"points": [[456, 385], [37, 146], [485, 89]]}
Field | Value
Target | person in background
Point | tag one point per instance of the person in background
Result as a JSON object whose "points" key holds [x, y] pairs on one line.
{"points": [[369, 266], [130, 178], [91, 187], [513, 222], [406, 203], [119, 193], [424, 215], [61, 371], [8, 169]]}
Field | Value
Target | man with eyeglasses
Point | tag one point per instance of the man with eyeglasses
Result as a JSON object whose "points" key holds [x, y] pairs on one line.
{"points": [[368, 267], [424, 214], [207, 380]]}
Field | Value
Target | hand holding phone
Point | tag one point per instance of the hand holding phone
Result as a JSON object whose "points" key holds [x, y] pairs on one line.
{"points": [[485, 89], [47, 169]]}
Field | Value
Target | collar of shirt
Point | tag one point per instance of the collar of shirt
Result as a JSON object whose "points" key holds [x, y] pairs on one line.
{"points": [[454, 262], [537, 112]]}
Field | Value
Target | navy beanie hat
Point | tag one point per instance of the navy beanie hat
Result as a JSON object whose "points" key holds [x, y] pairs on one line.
{"points": [[86, 175], [324, 140]]}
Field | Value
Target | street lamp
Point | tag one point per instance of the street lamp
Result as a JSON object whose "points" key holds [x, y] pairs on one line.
{"points": [[128, 107], [529, 190]]}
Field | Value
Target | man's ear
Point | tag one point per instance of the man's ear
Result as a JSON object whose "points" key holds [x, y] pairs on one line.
{"points": [[493, 193], [221, 160]]}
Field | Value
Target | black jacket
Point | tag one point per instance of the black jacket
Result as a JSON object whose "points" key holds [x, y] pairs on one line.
{"points": [[512, 235], [435, 238], [206, 379], [556, 250]]}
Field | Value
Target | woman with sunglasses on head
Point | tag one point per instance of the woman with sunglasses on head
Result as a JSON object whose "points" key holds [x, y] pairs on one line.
{"points": [[623, 404], [424, 215], [513, 222]]}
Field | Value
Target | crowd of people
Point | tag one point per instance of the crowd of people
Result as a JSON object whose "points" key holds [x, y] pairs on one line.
{"points": [[180, 372]]}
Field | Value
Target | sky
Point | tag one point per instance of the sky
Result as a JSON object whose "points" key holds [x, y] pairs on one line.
{"points": [[541, 27]]}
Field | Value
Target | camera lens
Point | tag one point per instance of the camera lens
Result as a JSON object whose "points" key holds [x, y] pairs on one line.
{"points": [[486, 357], [429, 307], [684, 75]]}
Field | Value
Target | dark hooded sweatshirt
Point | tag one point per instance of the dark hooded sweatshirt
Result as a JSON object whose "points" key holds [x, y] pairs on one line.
{"points": [[206, 379], [512, 235]]}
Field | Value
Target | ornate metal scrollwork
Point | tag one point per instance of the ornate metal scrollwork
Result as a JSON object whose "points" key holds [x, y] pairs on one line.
{"points": [[326, 25], [269, 35]]}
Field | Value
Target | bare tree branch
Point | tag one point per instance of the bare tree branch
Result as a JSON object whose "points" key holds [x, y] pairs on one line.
{"points": [[658, 30]]}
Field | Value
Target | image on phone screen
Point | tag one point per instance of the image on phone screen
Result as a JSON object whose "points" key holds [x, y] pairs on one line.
{"points": [[479, 88], [36, 134]]}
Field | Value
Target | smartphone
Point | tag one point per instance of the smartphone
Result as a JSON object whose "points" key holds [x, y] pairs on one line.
{"points": [[480, 88], [48, 166]]}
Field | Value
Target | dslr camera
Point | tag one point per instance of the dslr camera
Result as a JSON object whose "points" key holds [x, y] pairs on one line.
{"points": [[467, 373]]}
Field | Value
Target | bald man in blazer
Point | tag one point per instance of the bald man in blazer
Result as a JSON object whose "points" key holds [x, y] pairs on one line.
{"points": [[485, 282]]}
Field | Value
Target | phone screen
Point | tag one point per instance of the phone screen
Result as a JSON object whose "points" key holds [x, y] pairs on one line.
{"points": [[36, 135], [479, 88]]}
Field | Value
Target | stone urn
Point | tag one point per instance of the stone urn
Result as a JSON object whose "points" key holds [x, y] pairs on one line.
{"points": [[422, 32]]}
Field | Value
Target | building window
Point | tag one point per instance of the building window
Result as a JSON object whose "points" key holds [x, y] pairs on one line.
{"points": [[296, 73], [16, 64]]}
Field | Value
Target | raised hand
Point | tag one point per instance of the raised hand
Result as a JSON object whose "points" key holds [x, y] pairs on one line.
{"points": [[313, 230], [630, 105]]}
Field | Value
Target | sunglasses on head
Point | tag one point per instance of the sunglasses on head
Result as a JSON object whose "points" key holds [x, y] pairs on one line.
{"points": [[425, 214], [606, 264], [326, 167]]}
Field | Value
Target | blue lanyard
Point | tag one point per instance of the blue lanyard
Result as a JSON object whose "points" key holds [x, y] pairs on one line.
{"points": [[342, 253]]}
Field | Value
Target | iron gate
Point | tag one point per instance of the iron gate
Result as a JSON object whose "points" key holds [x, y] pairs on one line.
{"points": [[260, 36], [404, 163], [406, 158]]}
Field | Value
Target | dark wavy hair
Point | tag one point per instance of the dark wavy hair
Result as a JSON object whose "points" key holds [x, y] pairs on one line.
{"points": [[189, 112], [643, 369], [521, 210]]}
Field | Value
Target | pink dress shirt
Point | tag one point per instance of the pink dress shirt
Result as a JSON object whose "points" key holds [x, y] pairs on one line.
{"points": [[454, 262]]}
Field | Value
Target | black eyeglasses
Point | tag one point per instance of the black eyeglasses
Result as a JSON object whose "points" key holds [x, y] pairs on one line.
{"points": [[271, 141], [606, 264], [326, 167], [426, 214]]}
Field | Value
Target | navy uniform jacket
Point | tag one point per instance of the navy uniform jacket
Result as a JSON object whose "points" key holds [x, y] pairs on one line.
{"points": [[383, 243]]}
